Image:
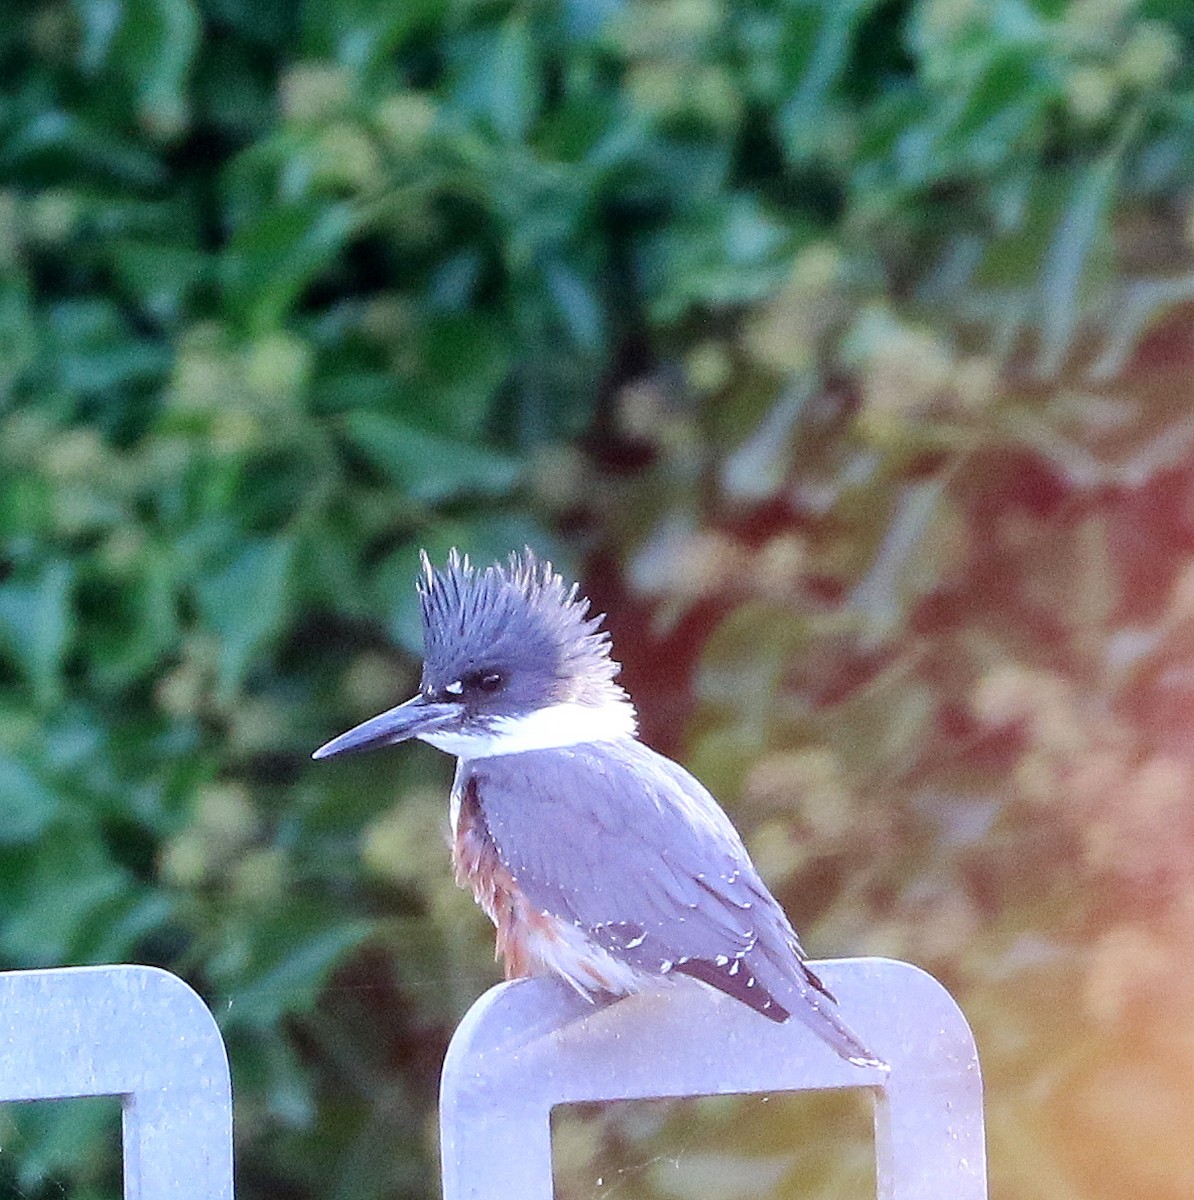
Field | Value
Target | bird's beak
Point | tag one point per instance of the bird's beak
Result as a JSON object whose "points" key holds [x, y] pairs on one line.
{"points": [[418, 715]]}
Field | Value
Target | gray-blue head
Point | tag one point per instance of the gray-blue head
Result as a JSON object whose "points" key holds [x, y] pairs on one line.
{"points": [[512, 661]]}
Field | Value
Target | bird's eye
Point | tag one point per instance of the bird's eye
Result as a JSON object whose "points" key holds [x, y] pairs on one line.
{"points": [[482, 681]]}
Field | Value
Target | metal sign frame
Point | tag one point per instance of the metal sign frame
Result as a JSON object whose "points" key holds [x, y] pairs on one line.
{"points": [[528, 1046], [139, 1033]]}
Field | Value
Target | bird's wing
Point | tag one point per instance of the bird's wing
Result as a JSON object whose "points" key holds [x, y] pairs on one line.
{"points": [[629, 847]]}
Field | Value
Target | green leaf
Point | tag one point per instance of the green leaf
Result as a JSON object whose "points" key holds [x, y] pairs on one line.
{"points": [[724, 253], [27, 804], [816, 41], [278, 966], [156, 47], [468, 358], [140, 627], [1068, 258], [94, 349], [429, 467], [498, 79], [118, 930], [246, 605], [50, 893], [361, 33], [19, 335], [275, 257], [744, 662], [56, 145], [578, 305], [36, 627], [515, 81], [160, 276]]}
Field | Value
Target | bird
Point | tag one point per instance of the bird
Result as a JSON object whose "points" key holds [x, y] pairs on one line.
{"points": [[598, 859]]}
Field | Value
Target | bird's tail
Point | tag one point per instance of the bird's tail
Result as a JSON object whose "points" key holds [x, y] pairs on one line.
{"points": [[808, 1000], [819, 1014]]}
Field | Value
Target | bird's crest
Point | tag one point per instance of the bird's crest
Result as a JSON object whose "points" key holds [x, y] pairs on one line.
{"points": [[517, 613]]}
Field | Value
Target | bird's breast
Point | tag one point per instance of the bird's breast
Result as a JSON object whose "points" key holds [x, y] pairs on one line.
{"points": [[474, 856], [530, 941], [479, 867]]}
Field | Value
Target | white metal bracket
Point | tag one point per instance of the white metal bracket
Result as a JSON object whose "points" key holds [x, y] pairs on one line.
{"points": [[139, 1033], [527, 1046]]}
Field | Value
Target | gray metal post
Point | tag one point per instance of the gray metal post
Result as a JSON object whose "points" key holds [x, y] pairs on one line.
{"points": [[135, 1032], [527, 1046]]}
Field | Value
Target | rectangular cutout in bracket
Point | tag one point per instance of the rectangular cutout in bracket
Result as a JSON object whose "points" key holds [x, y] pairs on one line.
{"points": [[50, 1149], [816, 1145]]}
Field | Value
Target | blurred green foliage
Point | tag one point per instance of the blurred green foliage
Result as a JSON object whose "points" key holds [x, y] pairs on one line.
{"points": [[846, 341]]}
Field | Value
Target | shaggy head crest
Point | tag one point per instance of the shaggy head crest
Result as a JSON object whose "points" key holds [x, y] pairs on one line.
{"points": [[518, 621]]}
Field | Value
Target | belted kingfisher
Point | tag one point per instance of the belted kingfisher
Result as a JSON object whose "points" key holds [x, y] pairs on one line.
{"points": [[597, 859]]}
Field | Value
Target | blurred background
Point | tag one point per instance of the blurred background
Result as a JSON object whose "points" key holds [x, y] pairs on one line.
{"points": [[842, 348]]}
